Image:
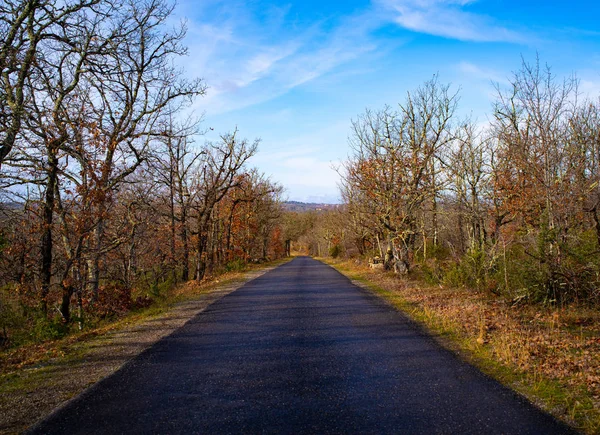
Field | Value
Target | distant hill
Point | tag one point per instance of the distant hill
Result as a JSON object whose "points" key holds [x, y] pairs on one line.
{"points": [[307, 206]]}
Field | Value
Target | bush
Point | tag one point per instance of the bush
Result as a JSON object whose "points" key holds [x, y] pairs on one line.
{"points": [[10, 318], [335, 251], [455, 276], [544, 271], [49, 329], [431, 272], [141, 302], [477, 270], [238, 265], [438, 252], [113, 299]]}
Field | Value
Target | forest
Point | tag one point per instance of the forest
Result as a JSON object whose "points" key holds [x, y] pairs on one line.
{"points": [[109, 193], [509, 207]]}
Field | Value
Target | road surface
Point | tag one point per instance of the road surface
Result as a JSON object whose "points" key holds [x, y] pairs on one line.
{"points": [[299, 350]]}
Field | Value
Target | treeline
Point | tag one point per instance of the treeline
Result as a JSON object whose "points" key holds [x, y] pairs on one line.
{"points": [[510, 208], [103, 189], [318, 232]]}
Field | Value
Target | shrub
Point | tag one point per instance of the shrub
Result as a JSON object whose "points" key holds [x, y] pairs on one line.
{"points": [[335, 251], [431, 271], [113, 299], [238, 265], [455, 276], [562, 273], [49, 329], [141, 302], [474, 270]]}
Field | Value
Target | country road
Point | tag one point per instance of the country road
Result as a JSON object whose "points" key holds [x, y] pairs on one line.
{"points": [[298, 350]]}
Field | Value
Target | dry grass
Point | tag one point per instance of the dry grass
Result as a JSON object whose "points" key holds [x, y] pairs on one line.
{"points": [[551, 355]]}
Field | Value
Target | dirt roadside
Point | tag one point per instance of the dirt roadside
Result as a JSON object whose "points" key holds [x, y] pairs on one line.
{"points": [[32, 392]]}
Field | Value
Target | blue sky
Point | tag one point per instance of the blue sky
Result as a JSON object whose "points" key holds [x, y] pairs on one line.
{"points": [[295, 73]]}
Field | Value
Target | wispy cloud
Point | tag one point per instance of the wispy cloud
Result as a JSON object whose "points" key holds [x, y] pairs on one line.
{"points": [[473, 71], [247, 60], [449, 19], [303, 165], [310, 174], [590, 88], [303, 170], [479, 85]]}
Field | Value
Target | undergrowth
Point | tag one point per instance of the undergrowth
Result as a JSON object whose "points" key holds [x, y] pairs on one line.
{"points": [[36, 339]]}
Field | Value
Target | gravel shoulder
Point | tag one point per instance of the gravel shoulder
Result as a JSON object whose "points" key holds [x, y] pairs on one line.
{"points": [[29, 394]]}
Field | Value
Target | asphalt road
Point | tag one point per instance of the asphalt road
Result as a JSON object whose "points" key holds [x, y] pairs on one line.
{"points": [[299, 350]]}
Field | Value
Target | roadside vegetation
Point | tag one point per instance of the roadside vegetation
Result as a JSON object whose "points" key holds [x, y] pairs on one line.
{"points": [[107, 202], [551, 355], [37, 377], [34, 351], [488, 234]]}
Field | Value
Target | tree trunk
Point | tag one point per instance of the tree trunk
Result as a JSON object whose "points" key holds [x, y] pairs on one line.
{"points": [[434, 220], [424, 234], [596, 223], [46, 241], [228, 238], [185, 274], [379, 245], [265, 246], [402, 260], [173, 234], [203, 220], [200, 262], [93, 263], [130, 262], [388, 262], [65, 305], [461, 232]]}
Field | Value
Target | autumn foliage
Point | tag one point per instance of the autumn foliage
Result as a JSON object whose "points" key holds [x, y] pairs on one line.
{"points": [[110, 194], [509, 208]]}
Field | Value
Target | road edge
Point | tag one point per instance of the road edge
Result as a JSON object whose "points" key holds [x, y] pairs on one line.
{"points": [[124, 343], [448, 343]]}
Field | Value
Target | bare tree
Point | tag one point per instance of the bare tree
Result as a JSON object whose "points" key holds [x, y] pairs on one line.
{"points": [[585, 142], [96, 93], [26, 28], [394, 163], [470, 182], [175, 167], [133, 87], [217, 174], [55, 113]]}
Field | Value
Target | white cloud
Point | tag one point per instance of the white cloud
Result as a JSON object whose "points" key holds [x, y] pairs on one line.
{"points": [[304, 170], [477, 72], [308, 171], [306, 177], [590, 88], [449, 19], [300, 166], [246, 60], [309, 179]]}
